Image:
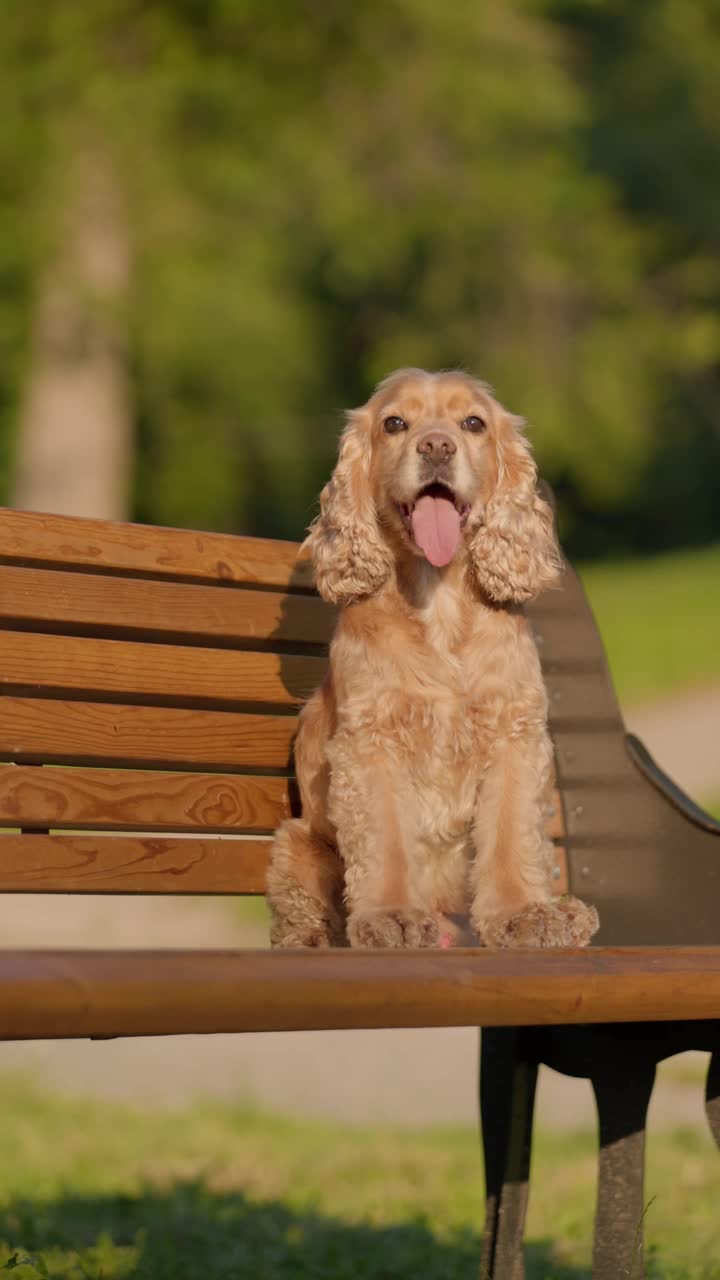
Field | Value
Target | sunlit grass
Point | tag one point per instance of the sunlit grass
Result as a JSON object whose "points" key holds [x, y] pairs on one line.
{"points": [[660, 621], [712, 804], [222, 1193]]}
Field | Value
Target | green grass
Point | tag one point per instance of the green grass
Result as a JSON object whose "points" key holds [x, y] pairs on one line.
{"points": [[89, 1190], [660, 620], [713, 806]]}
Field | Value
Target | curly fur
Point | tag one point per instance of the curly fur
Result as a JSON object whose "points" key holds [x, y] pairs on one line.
{"points": [[423, 761], [514, 552], [349, 556]]}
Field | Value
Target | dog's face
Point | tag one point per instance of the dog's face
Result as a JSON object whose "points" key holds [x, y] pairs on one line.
{"points": [[433, 465], [434, 460]]}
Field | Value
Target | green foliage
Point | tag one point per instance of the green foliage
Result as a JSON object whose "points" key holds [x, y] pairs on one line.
{"points": [[652, 131], [660, 621], [713, 806], [520, 187], [91, 1191]]}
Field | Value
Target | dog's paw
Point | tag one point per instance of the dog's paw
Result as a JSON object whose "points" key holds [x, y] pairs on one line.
{"points": [[566, 923], [393, 928], [307, 925], [288, 934]]}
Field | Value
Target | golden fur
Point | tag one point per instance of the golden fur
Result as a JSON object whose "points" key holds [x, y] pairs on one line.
{"points": [[424, 760]]}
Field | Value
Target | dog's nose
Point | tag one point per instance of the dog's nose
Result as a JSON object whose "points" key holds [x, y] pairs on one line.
{"points": [[436, 446]]}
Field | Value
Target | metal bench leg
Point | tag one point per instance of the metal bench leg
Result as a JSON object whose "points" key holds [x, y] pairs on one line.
{"points": [[712, 1097], [507, 1097], [622, 1094]]}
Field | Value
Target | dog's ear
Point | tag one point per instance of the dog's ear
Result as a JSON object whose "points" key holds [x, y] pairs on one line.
{"points": [[350, 557], [514, 553]]}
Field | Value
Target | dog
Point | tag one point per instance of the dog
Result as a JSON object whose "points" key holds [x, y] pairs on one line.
{"points": [[424, 761]]}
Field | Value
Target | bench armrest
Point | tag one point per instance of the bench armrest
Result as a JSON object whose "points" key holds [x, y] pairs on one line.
{"points": [[641, 757]]}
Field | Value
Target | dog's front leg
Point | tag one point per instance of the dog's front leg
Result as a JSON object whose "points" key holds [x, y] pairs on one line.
{"points": [[512, 903], [371, 807]]}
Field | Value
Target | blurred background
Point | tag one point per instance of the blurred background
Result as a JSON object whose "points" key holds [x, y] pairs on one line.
{"points": [[222, 221]]}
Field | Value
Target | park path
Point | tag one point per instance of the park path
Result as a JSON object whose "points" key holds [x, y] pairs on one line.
{"points": [[683, 733], [416, 1077]]}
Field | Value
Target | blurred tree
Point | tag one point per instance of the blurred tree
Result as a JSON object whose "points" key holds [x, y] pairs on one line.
{"points": [[399, 186], [652, 127], [71, 255], [75, 426], [21, 144], [315, 197]]}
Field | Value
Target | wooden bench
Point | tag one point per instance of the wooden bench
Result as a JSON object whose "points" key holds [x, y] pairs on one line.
{"points": [[149, 681]]}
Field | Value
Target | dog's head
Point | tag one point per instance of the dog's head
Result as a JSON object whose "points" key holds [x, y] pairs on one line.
{"points": [[433, 466]]}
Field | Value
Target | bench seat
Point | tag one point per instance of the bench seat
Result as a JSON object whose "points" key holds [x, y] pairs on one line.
{"points": [[46, 994]]}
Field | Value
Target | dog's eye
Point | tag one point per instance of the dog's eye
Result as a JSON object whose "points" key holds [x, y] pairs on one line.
{"points": [[394, 424], [475, 424]]}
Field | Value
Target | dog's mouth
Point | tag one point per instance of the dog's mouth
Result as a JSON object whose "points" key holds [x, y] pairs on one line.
{"points": [[435, 521]]}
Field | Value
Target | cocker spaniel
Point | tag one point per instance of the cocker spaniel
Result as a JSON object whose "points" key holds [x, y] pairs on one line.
{"points": [[424, 760]]}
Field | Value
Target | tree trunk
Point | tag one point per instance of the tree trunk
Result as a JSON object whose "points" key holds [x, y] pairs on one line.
{"points": [[75, 431]]}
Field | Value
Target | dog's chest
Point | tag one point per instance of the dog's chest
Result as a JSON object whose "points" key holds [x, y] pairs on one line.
{"points": [[471, 665], [457, 647], [444, 628]]}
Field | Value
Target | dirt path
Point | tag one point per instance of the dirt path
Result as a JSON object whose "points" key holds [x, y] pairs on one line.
{"points": [[410, 1077], [683, 733]]}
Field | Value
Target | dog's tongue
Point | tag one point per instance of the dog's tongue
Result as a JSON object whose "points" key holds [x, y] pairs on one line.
{"points": [[436, 528]]}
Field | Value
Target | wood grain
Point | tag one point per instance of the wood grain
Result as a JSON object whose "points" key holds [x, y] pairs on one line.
{"points": [[131, 800], [120, 864], [79, 993], [45, 599], [27, 537], [174, 674], [55, 731], [122, 799]]}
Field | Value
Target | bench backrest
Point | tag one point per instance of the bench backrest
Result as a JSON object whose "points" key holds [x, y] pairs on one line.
{"points": [[159, 672], [149, 684], [634, 844]]}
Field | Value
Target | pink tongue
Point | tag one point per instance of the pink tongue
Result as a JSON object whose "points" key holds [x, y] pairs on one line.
{"points": [[436, 528]]}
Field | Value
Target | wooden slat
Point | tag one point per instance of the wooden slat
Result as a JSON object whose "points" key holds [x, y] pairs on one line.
{"points": [[27, 537], [45, 994], [571, 638], [61, 732], [120, 864], [591, 756], [554, 817], [143, 672], [131, 800], [122, 799], [579, 699], [560, 872], [617, 814], [555, 831], [44, 599]]}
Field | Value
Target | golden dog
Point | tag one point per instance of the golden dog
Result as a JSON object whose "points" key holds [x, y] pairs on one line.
{"points": [[424, 760]]}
